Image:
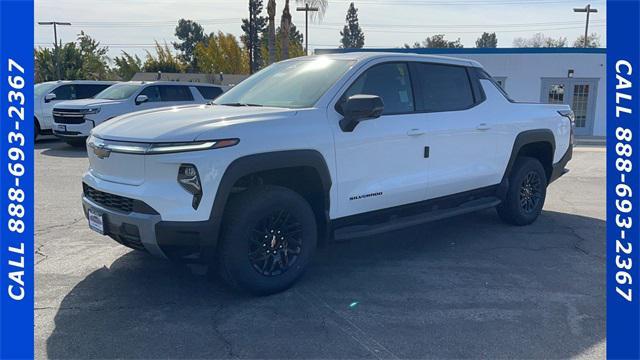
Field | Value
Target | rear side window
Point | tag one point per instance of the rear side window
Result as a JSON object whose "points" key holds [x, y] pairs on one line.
{"points": [[65, 92], [153, 93], [209, 92], [391, 82], [85, 91], [175, 93], [444, 87]]}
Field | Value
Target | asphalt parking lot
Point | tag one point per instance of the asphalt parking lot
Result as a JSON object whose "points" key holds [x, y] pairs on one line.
{"points": [[467, 287]]}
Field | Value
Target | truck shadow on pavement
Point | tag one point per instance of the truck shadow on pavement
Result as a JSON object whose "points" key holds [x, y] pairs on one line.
{"points": [[459, 288], [57, 148]]}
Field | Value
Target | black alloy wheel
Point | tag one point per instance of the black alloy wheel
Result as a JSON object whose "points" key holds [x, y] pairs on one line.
{"points": [[276, 243]]}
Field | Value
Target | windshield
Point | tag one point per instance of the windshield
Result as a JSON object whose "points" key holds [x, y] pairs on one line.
{"points": [[118, 92], [43, 88], [290, 84]]}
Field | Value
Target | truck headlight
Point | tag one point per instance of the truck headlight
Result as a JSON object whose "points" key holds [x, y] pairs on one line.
{"points": [[189, 179], [92, 111]]}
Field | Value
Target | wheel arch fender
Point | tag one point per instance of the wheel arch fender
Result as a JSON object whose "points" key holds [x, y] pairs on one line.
{"points": [[524, 138], [261, 162]]}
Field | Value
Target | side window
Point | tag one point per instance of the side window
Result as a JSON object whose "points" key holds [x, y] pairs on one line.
{"points": [[175, 93], [152, 92], [85, 91], [65, 92], [444, 87], [389, 81], [209, 92]]}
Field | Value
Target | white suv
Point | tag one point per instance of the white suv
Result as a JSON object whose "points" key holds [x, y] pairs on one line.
{"points": [[46, 95], [73, 120], [314, 148]]}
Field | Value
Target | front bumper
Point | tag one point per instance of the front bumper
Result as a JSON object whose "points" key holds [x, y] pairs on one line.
{"points": [[176, 240], [73, 131], [135, 230]]}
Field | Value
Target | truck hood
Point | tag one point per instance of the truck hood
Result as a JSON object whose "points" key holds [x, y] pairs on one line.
{"points": [[182, 123], [87, 103]]}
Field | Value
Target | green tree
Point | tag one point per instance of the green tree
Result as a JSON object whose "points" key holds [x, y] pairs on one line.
{"points": [[487, 40], [296, 44], [81, 60], [126, 66], [190, 33], [438, 41], [593, 41], [222, 53], [539, 40], [164, 60], [252, 32], [352, 35]]}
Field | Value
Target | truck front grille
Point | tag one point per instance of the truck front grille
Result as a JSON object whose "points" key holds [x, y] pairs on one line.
{"points": [[110, 201], [68, 116]]}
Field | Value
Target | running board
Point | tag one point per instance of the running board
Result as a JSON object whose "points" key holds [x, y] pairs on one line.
{"points": [[356, 231]]}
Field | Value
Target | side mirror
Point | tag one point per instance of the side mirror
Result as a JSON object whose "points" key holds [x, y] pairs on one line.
{"points": [[141, 99], [49, 97], [360, 108]]}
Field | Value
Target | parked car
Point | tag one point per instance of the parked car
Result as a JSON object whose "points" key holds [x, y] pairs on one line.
{"points": [[73, 120], [316, 148], [48, 94]]}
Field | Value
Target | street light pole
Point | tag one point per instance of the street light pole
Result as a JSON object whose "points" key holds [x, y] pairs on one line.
{"points": [[55, 44], [306, 10], [587, 9]]}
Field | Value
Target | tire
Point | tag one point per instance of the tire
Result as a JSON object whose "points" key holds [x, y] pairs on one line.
{"points": [[526, 194], [77, 143], [253, 221]]}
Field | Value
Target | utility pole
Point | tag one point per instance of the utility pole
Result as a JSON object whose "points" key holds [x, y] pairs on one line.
{"points": [[587, 10], [306, 10], [251, 24], [55, 44]]}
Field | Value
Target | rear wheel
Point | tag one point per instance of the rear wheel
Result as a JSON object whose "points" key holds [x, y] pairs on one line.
{"points": [[527, 191], [269, 236]]}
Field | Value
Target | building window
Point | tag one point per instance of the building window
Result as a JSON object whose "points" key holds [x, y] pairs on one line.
{"points": [[556, 94], [580, 103]]}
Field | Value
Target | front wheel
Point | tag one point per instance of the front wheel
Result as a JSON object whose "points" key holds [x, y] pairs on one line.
{"points": [[269, 236], [526, 194]]}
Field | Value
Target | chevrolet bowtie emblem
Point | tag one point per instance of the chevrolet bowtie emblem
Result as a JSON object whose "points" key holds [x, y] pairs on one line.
{"points": [[101, 151]]}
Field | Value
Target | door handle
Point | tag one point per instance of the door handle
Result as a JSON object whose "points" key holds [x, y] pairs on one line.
{"points": [[483, 127], [415, 132]]}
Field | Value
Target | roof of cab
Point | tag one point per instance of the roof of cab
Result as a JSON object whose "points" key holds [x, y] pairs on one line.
{"points": [[367, 56]]}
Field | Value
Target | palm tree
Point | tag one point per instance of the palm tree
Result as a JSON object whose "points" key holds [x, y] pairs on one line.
{"points": [[285, 26], [271, 11]]}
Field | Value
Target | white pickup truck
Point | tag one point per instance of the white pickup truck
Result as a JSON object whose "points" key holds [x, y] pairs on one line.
{"points": [[319, 148]]}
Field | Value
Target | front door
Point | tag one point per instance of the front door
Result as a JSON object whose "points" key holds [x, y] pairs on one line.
{"points": [[580, 94], [381, 163]]}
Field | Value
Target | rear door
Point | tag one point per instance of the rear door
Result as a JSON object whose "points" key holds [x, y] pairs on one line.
{"points": [[461, 137], [173, 95], [381, 164]]}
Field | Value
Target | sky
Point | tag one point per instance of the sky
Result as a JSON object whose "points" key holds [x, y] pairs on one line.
{"points": [[134, 25]]}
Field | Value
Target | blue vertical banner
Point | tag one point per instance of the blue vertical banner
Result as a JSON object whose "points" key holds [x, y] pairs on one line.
{"points": [[623, 180], [16, 180]]}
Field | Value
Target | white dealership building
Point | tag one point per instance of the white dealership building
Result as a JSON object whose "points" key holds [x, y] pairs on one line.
{"points": [[573, 76]]}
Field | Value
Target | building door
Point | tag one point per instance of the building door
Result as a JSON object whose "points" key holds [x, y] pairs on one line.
{"points": [[578, 93]]}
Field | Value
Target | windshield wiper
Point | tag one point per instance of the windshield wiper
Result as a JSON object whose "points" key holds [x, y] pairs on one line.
{"points": [[240, 104]]}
